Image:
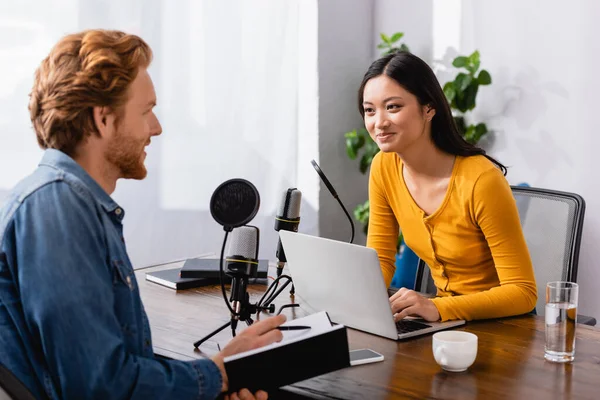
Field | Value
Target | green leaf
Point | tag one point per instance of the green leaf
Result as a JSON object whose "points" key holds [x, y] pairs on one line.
{"points": [[397, 36], [484, 78], [361, 213], [460, 124], [365, 162], [399, 242], [383, 46], [462, 82], [361, 142], [474, 133], [363, 132], [474, 58], [470, 133], [481, 129], [351, 134], [404, 47], [449, 91], [472, 68], [355, 140], [470, 95], [357, 213], [371, 148], [460, 61], [385, 38], [351, 148]]}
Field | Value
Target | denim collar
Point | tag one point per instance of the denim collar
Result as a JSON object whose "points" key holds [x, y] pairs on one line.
{"points": [[59, 160]]}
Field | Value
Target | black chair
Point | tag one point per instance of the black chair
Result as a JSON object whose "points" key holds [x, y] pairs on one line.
{"points": [[552, 223], [12, 387]]}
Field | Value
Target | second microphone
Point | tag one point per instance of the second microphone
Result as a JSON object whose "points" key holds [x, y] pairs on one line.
{"points": [[287, 219]]}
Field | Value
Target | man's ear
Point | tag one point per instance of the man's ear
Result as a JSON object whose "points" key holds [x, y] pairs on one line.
{"points": [[103, 120]]}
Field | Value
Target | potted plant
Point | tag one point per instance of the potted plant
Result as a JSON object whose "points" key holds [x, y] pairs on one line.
{"points": [[461, 94]]}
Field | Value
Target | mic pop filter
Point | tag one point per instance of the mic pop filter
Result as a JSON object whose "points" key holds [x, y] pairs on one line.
{"points": [[234, 203]]}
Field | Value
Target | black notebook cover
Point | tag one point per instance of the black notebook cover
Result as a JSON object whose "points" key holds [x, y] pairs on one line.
{"points": [[290, 362], [171, 278], [209, 268]]}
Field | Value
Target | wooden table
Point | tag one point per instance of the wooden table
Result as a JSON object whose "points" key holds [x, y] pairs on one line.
{"points": [[510, 362]]}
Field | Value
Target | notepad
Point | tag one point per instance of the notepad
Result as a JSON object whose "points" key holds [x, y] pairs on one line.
{"points": [[171, 278], [318, 322], [300, 355]]}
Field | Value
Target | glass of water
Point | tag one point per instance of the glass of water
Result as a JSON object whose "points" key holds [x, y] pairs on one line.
{"points": [[561, 318]]}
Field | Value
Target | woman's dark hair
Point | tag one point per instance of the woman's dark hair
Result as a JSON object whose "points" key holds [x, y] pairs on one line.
{"points": [[413, 74]]}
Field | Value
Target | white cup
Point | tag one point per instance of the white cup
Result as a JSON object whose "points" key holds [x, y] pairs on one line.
{"points": [[454, 351]]}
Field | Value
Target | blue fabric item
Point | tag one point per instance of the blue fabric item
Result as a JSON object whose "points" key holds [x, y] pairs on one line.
{"points": [[406, 269], [71, 317]]}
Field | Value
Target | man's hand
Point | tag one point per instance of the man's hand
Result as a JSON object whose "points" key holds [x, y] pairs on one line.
{"points": [[407, 302], [257, 335], [245, 394]]}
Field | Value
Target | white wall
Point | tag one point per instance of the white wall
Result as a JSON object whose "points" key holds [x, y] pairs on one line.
{"points": [[543, 58], [228, 96], [391, 16], [345, 52], [308, 181]]}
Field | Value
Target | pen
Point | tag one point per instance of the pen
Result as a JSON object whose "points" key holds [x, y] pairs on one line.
{"points": [[293, 328]]}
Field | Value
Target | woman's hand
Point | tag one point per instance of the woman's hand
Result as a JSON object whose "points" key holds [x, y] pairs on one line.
{"points": [[407, 302]]}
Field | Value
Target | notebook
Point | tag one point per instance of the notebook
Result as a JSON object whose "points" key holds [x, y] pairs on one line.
{"points": [[209, 268], [302, 354], [171, 279]]}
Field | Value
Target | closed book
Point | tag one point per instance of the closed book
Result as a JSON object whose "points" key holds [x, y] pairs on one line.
{"points": [[302, 354], [209, 268], [171, 278]]}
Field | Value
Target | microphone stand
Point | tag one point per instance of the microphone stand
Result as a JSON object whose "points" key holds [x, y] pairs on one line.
{"points": [[242, 309], [335, 195]]}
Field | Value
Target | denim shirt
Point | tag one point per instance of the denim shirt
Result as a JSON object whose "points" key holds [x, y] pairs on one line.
{"points": [[72, 324]]}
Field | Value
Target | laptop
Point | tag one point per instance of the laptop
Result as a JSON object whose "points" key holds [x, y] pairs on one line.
{"points": [[346, 281]]}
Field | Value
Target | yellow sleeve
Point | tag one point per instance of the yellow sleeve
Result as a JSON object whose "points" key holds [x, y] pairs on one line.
{"points": [[383, 226], [495, 211]]}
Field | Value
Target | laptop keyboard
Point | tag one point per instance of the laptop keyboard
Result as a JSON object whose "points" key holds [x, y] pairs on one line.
{"points": [[405, 326]]}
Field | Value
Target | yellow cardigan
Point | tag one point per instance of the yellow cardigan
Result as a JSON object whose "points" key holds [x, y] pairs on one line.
{"points": [[473, 243]]}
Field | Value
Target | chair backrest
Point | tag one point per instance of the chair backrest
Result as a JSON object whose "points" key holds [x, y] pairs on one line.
{"points": [[11, 387], [552, 222]]}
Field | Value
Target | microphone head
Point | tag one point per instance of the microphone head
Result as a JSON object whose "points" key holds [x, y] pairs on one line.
{"points": [[242, 259], [244, 243], [234, 203], [289, 208]]}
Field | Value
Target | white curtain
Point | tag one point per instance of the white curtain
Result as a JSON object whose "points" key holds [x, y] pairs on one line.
{"points": [[227, 80]]}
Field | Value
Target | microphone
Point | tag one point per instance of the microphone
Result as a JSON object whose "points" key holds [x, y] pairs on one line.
{"points": [[288, 219], [233, 204], [242, 263], [334, 194]]}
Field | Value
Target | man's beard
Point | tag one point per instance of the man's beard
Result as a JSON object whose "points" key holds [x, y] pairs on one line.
{"points": [[125, 153]]}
